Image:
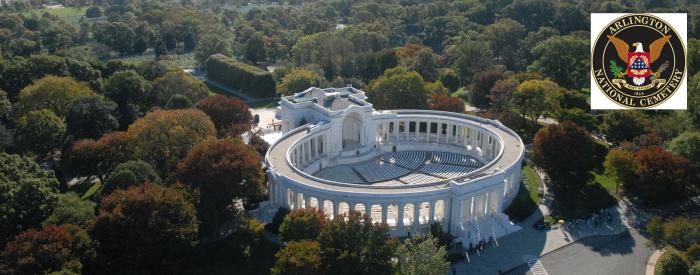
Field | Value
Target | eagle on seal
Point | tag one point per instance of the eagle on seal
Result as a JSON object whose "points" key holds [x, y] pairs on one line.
{"points": [[639, 62]]}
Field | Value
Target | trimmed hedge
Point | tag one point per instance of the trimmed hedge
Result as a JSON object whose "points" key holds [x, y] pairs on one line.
{"points": [[249, 80]]}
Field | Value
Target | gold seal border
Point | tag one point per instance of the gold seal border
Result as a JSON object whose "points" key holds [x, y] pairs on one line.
{"points": [[685, 56]]}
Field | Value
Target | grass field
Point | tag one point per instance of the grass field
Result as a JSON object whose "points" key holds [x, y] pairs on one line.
{"points": [[606, 182], [528, 197], [86, 190], [70, 15]]}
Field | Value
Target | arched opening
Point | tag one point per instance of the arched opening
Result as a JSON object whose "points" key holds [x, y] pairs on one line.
{"points": [[376, 213], [392, 215], [343, 208], [408, 212], [360, 208], [352, 131], [424, 213], [290, 198], [439, 211], [328, 208], [313, 202], [301, 203]]}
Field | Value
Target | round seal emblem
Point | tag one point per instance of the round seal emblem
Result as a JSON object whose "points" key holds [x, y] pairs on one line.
{"points": [[638, 61]]}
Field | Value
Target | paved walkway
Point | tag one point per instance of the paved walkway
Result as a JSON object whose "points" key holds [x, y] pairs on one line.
{"points": [[531, 242]]}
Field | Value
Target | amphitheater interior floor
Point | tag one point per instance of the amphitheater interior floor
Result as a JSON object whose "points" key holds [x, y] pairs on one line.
{"points": [[403, 168]]}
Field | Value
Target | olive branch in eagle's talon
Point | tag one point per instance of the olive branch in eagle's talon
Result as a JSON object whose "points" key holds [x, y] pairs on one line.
{"points": [[616, 70]]}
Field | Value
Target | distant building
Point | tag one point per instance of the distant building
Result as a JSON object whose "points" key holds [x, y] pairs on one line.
{"points": [[405, 168]]}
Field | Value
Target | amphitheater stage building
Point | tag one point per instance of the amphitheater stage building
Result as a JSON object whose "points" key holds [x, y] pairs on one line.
{"points": [[405, 168]]}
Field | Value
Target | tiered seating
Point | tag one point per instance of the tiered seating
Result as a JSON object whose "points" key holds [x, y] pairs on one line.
{"points": [[379, 171], [446, 170], [340, 174], [406, 159], [454, 159], [419, 178]]}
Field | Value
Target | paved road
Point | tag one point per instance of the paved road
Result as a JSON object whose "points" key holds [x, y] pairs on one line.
{"points": [[622, 254]]}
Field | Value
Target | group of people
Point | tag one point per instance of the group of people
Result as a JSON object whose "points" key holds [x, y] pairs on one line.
{"points": [[472, 248], [604, 216]]}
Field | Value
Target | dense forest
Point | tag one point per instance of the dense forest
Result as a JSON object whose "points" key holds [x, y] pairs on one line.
{"points": [[118, 154]]}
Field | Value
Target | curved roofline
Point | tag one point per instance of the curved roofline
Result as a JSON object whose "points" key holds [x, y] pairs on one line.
{"points": [[479, 173]]}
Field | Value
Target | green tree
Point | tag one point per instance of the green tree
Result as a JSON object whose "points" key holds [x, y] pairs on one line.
{"points": [[209, 45], [352, 244], [421, 255], [671, 263], [694, 99], [619, 126], [577, 159], [619, 165], [553, 53], [91, 117], [224, 171], [178, 83], [164, 137], [145, 229], [5, 107], [425, 63], [55, 248], [52, 93], [298, 257], [131, 93], [159, 49], [24, 47], [531, 13], [469, 57], [695, 270], [693, 56], [533, 97], [255, 49], [570, 18], [72, 209], [687, 145], [39, 131], [93, 12], [127, 174], [117, 35], [505, 36], [299, 80], [302, 224], [28, 194], [481, 85], [398, 88]]}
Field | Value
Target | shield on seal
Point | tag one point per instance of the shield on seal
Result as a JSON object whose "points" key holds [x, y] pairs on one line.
{"points": [[638, 64]]}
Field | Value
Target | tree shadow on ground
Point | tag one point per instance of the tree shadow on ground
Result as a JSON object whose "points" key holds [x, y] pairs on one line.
{"points": [[580, 199], [608, 245]]}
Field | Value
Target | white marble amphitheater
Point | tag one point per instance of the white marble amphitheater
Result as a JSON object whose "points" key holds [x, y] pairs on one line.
{"points": [[405, 168]]}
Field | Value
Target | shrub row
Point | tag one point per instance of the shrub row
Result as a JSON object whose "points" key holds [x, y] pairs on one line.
{"points": [[249, 80]]}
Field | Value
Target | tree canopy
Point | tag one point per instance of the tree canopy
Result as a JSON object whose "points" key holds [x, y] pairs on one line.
{"points": [[159, 224], [223, 171], [52, 93], [28, 194], [398, 88]]}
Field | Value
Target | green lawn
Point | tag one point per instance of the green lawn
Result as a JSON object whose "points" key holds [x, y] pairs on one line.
{"points": [[70, 15], [606, 182], [273, 102], [528, 197], [86, 190], [531, 181]]}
